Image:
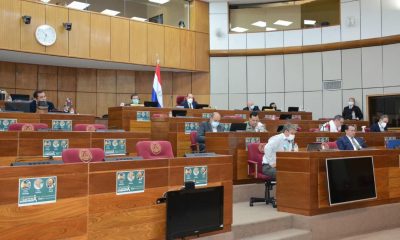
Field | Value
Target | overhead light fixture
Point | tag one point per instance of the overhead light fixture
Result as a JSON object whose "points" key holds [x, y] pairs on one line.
{"points": [[159, 1], [139, 19], [283, 23], [45, 1], [310, 22], [78, 5], [239, 29], [110, 12], [270, 29], [260, 24]]}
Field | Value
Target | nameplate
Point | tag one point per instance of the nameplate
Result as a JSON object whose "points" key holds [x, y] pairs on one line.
{"points": [[206, 115], [249, 140], [226, 126], [54, 147], [129, 182], [5, 123], [143, 116], [386, 139], [191, 127], [196, 174], [270, 117], [37, 190], [296, 117], [114, 147], [61, 125], [244, 116], [322, 139]]}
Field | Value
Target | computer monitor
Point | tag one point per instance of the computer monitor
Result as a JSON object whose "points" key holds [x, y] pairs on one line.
{"points": [[201, 106], [179, 113], [279, 128], [293, 109], [18, 106], [268, 108], [19, 97], [314, 147], [150, 104], [285, 116], [238, 127]]}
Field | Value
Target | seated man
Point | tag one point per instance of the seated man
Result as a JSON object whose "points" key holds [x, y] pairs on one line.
{"points": [[189, 102], [40, 96], [352, 112], [334, 125], [254, 124], [135, 99], [251, 107], [279, 142], [350, 142], [381, 125], [210, 126]]}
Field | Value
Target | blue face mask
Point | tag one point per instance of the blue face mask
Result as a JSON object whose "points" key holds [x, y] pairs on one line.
{"points": [[135, 101], [214, 124]]}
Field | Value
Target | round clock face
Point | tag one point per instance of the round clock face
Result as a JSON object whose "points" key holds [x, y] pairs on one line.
{"points": [[46, 35]]}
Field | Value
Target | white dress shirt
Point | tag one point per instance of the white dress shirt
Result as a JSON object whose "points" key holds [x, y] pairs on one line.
{"points": [[355, 140], [275, 143], [332, 127]]}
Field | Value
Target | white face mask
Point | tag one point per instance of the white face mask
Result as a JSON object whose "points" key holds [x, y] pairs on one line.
{"points": [[290, 137], [135, 101], [190, 100], [351, 104], [214, 124], [383, 124], [252, 107]]}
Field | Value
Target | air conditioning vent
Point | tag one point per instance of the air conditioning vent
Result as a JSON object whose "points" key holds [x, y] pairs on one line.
{"points": [[333, 85]]}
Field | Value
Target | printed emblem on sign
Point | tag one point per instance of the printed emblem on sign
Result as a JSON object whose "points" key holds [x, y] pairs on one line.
{"points": [[27, 128], [85, 155], [155, 148], [90, 128], [261, 147]]}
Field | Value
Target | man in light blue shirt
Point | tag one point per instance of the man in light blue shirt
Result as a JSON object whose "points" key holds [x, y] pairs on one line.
{"points": [[280, 142]]}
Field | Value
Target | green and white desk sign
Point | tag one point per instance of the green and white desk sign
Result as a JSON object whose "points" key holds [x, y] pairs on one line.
{"points": [[54, 147], [249, 140], [63, 125], [143, 116], [5, 123], [196, 174], [191, 127], [226, 126], [206, 115], [129, 182], [114, 147], [35, 191]]}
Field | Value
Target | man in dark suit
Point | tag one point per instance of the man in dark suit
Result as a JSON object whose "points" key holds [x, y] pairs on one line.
{"points": [[350, 142], [210, 126], [251, 107], [189, 102], [381, 125], [352, 111], [40, 96]]}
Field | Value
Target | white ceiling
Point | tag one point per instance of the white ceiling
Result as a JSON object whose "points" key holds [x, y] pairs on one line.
{"points": [[247, 1]]}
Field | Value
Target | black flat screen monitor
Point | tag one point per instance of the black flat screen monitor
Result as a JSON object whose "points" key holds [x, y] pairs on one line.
{"points": [[285, 116], [18, 106], [201, 106], [150, 104], [238, 127], [19, 97], [195, 211], [350, 179], [179, 113], [293, 109]]}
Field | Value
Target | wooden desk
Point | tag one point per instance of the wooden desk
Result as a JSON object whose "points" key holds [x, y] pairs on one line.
{"points": [[47, 117], [87, 206], [302, 185]]}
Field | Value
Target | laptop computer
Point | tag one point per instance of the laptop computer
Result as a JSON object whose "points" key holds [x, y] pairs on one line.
{"points": [[18, 106], [238, 127], [313, 147], [150, 104], [293, 109], [179, 113]]}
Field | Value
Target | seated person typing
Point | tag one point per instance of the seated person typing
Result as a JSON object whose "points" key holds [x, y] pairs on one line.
{"points": [[189, 102], [251, 107], [381, 125], [254, 124], [350, 142], [210, 126], [334, 125], [40, 96]]}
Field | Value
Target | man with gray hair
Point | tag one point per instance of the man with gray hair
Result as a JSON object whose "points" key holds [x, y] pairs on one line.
{"points": [[334, 125], [280, 142], [381, 125], [210, 126]]}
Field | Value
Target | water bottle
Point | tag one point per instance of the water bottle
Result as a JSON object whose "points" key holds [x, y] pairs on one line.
{"points": [[295, 148]]}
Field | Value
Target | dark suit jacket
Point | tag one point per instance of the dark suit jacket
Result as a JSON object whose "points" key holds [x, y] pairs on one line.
{"points": [[344, 143], [347, 113], [255, 109], [206, 127], [375, 128], [33, 106], [185, 104]]}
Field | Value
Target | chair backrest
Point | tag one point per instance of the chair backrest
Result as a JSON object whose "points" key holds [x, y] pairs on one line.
{"points": [[256, 154], [313, 130], [88, 127], [393, 144], [193, 140], [332, 145], [76, 155], [180, 99], [27, 127], [154, 149]]}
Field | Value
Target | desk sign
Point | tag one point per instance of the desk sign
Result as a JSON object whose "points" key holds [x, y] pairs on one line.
{"points": [[206, 115], [114, 147], [191, 127], [196, 174], [244, 116], [143, 116], [296, 117], [35, 191], [63, 125], [129, 182], [226, 126], [5, 122], [270, 117], [249, 140], [322, 139], [54, 147], [386, 139]]}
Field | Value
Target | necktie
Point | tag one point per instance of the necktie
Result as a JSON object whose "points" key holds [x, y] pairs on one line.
{"points": [[355, 144]]}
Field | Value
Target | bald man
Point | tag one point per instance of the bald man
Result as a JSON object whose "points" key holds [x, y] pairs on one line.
{"points": [[251, 107], [212, 125]]}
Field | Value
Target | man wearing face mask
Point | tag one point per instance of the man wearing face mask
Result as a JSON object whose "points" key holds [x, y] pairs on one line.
{"points": [[211, 126], [381, 125], [352, 112], [281, 142], [189, 102], [251, 107], [135, 99], [40, 99]]}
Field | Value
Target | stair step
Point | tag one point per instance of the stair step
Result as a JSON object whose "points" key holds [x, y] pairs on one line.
{"points": [[288, 234]]}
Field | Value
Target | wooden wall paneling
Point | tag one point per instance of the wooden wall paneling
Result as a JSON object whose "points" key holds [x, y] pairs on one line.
{"points": [[155, 48], [144, 97], [67, 79], [199, 16], [138, 42], [104, 101], [26, 76], [203, 99], [119, 39], [52, 96], [125, 81], [188, 50], [86, 103], [55, 17], [144, 82], [182, 83], [100, 36], [123, 98], [79, 37], [167, 82], [107, 81], [9, 90], [47, 77], [28, 39], [201, 83], [62, 96], [86, 80], [172, 47], [10, 18], [7, 74], [202, 52], [24, 91]]}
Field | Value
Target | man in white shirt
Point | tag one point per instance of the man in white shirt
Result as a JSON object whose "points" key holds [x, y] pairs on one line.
{"points": [[350, 142], [280, 142], [334, 125]]}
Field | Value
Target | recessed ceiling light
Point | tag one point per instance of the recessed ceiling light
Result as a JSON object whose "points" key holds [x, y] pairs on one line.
{"points": [[110, 12], [283, 23], [309, 22], [159, 1], [139, 19], [45, 1], [78, 5], [239, 29], [259, 24], [270, 29]]}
